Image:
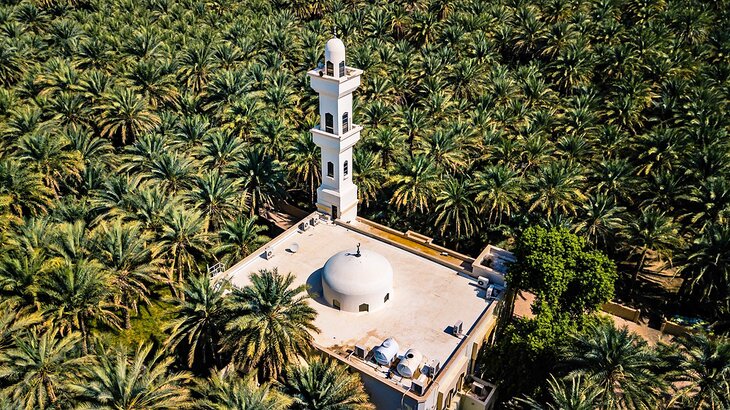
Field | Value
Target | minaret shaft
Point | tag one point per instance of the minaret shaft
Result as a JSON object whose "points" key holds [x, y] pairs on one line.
{"points": [[336, 134]]}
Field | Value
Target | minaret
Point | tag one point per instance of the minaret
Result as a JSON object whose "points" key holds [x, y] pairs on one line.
{"points": [[336, 133]]}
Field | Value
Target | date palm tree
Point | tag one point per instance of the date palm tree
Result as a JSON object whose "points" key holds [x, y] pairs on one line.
{"points": [[498, 190], [28, 194], [228, 392], [271, 324], [216, 196], [703, 371], [40, 371], [557, 187], [261, 177], [619, 363], [415, 182], [303, 161], [183, 243], [575, 393], [323, 384], [78, 295], [200, 321], [455, 210], [141, 380], [653, 231], [125, 116], [705, 268], [239, 238], [368, 175], [126, 254]]}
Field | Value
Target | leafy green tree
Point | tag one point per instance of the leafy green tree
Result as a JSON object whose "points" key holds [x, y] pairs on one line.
{"points": [[271, 324], [565, 275], [323, 384]]}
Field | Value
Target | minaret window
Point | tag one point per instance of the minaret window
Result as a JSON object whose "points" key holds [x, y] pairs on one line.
{"points": [[345, 122], [330, 69], [345, 168], [329, 123], [342, 68], [330, 170]]}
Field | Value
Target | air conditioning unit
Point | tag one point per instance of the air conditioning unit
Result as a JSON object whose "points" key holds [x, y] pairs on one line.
{"points": [[478, 389], [483, 282], [360, 352], [314, 221], [269, 253], [432, 368], [417, 387], [304, 225], [457, 328]]}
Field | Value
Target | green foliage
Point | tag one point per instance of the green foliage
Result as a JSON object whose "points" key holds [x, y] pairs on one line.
{"points": [[323, 384], [563, 273]]}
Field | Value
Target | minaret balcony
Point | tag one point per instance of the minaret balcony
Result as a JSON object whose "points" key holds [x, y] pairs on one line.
{"points": [[341, 141], [335, 86]]}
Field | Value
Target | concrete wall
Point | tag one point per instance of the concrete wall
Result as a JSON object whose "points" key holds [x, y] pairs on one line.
{"points": [[621, 311]]}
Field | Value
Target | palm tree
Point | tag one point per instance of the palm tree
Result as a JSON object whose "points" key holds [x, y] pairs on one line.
{"points": [[324, 384], [227, 392], [261, 177], [368, 175], [271, 323], [619, 363], [216, 197], [498, 190], [303, 160], [39, 372], [199, 322], [651, 231], [574, 393], [183, 242], [415, 184], [138, 381], [239, 238], [20, 273], [78, 295], [28, 194], [126, 116], [703, 372], [705, 268], [455, 210], [601, 219], [557, 187], [15, 322], [131, 262]]}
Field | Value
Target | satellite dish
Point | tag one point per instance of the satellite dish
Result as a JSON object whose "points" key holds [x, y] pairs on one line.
{"points": [[294, 247]]}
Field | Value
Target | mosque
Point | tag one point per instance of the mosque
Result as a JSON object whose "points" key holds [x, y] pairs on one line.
{"points": [[410, 316]]}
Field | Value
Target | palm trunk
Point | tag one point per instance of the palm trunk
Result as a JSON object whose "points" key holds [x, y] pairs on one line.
{"points": [[635, 277], [84, 337]]}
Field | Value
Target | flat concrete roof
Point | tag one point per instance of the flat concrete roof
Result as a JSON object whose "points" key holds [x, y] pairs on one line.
{"points": [[427, 298]]}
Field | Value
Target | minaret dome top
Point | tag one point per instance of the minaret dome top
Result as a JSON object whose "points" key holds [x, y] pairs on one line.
{"points": [[334, 51]]}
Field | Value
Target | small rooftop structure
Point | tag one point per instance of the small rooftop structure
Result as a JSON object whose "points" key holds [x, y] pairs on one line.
{"points": [[357, 280]]}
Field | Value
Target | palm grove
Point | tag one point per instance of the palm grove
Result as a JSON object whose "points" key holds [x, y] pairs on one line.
{"points": [[141, 140]]}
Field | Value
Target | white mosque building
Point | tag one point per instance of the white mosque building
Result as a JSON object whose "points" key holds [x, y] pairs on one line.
{"points": [[408, 315]]}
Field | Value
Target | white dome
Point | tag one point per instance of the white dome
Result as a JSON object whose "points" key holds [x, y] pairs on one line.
{"points": [[351, 280], [334, 51]]}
